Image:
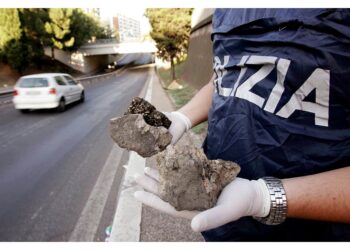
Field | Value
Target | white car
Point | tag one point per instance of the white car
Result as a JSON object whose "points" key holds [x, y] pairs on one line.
{"points": [[46, 91]]}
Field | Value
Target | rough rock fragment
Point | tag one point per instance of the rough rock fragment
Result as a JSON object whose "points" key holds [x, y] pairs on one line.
{"points": [[152, 116], [189, 181], [133, 133]]}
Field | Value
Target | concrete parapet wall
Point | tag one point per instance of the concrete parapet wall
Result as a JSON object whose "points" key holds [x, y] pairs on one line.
{"points": [[199, 65]]}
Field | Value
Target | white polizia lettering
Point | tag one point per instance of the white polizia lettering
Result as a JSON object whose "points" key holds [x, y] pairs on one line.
{"points": [[318, 81], [243, 91], [278, 89], [220, 71]]}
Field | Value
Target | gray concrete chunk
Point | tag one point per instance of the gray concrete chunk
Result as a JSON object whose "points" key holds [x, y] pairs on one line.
{"points": [[133, 133], [189, 181]]}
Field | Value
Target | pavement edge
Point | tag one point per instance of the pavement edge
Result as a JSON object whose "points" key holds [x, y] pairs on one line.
{"points": [[127, 220]]}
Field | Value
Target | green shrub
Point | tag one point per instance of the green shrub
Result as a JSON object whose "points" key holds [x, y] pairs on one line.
{"points": [[16, 55]]}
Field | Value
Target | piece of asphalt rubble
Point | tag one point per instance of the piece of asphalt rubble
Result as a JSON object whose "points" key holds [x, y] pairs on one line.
{"points": [[151, 115], [133, 133], [142, 129], [188, 180]]}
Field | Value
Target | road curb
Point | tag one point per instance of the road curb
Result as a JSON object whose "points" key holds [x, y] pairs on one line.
{"points": [[7, 92], [127, 219]]}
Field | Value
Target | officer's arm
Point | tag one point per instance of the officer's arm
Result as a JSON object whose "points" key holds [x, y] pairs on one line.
{"points": [[324, 196], [198, 107]]}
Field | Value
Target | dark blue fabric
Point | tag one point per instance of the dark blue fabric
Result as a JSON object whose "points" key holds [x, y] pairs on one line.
{"points": [[265, 143]]}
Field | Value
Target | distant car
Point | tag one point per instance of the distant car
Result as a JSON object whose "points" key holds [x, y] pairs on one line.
{"points": [[46, 91]]}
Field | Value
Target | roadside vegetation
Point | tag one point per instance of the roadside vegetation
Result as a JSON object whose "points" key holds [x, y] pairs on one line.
{"points": [[171, 31], [24, 32]]}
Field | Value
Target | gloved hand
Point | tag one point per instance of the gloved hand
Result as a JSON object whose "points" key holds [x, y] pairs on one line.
{"points": [[150, 182], [179, 125], [239, 198]]}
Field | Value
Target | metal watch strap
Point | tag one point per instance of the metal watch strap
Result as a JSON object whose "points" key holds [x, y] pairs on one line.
{"points": [[278, 208]]}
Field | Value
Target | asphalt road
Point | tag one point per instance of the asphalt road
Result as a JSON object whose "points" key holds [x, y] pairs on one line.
{"points": [[55, 167]]}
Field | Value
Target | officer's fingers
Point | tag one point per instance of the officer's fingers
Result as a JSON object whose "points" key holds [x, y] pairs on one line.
{"points": [[147, 183], [152, 172], [211, 218]]}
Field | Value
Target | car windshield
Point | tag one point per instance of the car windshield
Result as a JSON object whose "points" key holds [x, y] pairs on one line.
{"points": [[33, 82]]}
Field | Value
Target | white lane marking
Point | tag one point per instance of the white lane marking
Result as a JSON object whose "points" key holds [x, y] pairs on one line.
{"points": [[88, 222], [127, 220], [148, 96], [36, 213]]}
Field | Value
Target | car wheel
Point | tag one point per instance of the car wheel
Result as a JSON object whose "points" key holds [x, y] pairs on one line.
{"points": [[24, 111], [61, 106], [82, 97]]}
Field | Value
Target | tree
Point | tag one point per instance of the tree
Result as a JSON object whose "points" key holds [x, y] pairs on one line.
{"points": [[24, 32], [59, 28], [83, 28], [106, 32], [170, 30], [13, 49], [17, 54], [22, 36], [71, 28], [33, 31], [10, 26]]}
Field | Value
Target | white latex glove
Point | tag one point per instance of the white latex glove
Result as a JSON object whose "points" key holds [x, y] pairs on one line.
{"points": [[239, 198], [180, 124]]}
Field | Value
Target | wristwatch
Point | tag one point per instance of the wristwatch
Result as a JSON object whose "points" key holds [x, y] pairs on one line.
{"points": [[278, 202]]}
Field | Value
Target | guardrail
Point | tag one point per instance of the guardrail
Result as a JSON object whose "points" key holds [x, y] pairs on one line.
{"points": [[101, 41], [103, 76], [6, 92]]}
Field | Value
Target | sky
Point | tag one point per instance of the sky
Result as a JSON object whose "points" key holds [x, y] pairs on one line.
{"points": [[173, 3], [135, 13], [128, 11], [135, 8]]}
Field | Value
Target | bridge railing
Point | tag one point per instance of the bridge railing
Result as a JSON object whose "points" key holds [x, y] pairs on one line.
{"points": [[104, 41]]}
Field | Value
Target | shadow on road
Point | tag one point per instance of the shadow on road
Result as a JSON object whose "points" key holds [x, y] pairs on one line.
{"points": [[52, 111]]}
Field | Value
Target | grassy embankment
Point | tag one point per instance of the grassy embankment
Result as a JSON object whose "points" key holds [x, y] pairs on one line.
{"points": [[181, 96]]}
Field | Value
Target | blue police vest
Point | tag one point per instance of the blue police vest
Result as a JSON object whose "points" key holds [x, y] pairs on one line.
{"points": [[281, 105]]}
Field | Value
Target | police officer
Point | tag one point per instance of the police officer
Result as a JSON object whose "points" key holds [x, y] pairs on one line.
{"points": [[278, 105]]}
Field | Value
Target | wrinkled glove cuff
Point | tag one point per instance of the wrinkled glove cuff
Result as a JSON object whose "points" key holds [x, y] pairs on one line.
{"points": [[184, 118], [265, 196]]}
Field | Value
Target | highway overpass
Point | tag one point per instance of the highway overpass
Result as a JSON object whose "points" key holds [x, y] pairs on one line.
{"points": [[98, 55]]}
